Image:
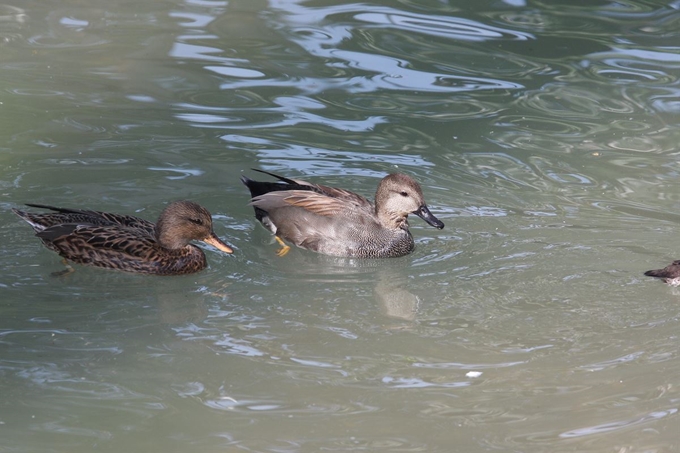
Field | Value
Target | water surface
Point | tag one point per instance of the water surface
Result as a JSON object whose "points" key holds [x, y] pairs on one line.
{"points": [[544, 136]]}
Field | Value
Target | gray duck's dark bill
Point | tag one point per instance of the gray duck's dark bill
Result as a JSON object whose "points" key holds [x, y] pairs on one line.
{"points": [[425, 214]]}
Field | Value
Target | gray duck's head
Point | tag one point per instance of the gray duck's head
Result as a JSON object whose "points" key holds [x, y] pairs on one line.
{"points": [[399, 195]]}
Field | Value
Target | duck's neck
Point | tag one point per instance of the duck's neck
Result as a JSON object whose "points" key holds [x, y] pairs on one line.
{"points": [[167, 240], [392, 220]]}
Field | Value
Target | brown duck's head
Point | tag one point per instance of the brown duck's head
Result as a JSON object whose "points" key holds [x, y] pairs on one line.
{"points": [[399, 195], [185, 221]]}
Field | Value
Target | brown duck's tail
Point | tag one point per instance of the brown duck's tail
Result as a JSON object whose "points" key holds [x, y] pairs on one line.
{"points": [[659, 273], [670, 271], [32, 219]]}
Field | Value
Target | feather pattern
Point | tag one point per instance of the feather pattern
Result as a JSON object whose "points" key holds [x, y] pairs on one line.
{"points": [[669, 274], [128, 243], [340, 222]]}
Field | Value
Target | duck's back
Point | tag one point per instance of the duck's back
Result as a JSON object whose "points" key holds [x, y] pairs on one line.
{"points": [[61, 216]]}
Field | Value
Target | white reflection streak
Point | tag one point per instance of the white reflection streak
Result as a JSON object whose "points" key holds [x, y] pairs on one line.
{"points": [[290, 117], [199, 20], [235, 71], [394, 73], [184, 50], [445, 27], [239, 347], [314, 363], [183, 172], [606, 427], [671, 55], [419, 383], [610, 363], [466, 366]]}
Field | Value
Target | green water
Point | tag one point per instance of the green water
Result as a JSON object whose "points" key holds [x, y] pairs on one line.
{"points": [[544, 136]]}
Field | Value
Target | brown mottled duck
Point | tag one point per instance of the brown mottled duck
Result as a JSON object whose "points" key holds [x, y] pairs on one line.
{"points": [[128, 243]]}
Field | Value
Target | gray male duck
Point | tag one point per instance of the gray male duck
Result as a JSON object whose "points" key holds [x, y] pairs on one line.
{"points": [[338, 222]]}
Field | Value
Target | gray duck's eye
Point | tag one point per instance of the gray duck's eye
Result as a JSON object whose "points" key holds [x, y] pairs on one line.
{"points": [[403, 193]]}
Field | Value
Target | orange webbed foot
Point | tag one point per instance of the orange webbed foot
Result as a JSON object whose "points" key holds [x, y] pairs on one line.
{"points": [[284, 247]]}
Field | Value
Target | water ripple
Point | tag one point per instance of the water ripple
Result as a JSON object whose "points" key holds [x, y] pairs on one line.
{"points": [[288, 116], [411, 383], [625, 65], [447, 27], [361, 71], [544, 133], [61, 428], [618, 425]]}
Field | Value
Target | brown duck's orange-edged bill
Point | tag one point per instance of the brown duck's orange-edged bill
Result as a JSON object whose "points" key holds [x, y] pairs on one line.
{"points": [[128, 243], [338, 222]]}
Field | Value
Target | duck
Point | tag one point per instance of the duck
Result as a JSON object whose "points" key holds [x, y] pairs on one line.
{"points": [[339, 222], [670, 274], [128, 243]]}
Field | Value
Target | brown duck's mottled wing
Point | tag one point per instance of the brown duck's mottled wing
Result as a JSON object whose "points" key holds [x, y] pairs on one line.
{"points": [[71, 237], [40, 221], [114, 247], [129, 221], [85, 217]]}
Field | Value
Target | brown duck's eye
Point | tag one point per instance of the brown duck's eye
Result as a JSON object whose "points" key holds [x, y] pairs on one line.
{"points": [[196, 221]]}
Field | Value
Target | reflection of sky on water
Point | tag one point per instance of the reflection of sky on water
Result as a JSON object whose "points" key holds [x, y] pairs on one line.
{"points": [[541, 79], [372, 53]]}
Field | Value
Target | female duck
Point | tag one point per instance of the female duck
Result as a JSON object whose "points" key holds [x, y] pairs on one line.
{"points": [[128, 243], [670, 274], [339, 222]]}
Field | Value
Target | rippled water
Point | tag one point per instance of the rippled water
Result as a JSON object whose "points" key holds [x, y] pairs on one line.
{"points": [[544, 135]]}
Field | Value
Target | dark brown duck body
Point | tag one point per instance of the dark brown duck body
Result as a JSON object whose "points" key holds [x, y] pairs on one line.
{"points": [[670, 274], [128, 243], [339, 222]]}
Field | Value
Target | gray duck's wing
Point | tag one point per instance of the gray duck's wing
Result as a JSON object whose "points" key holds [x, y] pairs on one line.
{"points": [[313, 202], [290, 185], [344, 195]]}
